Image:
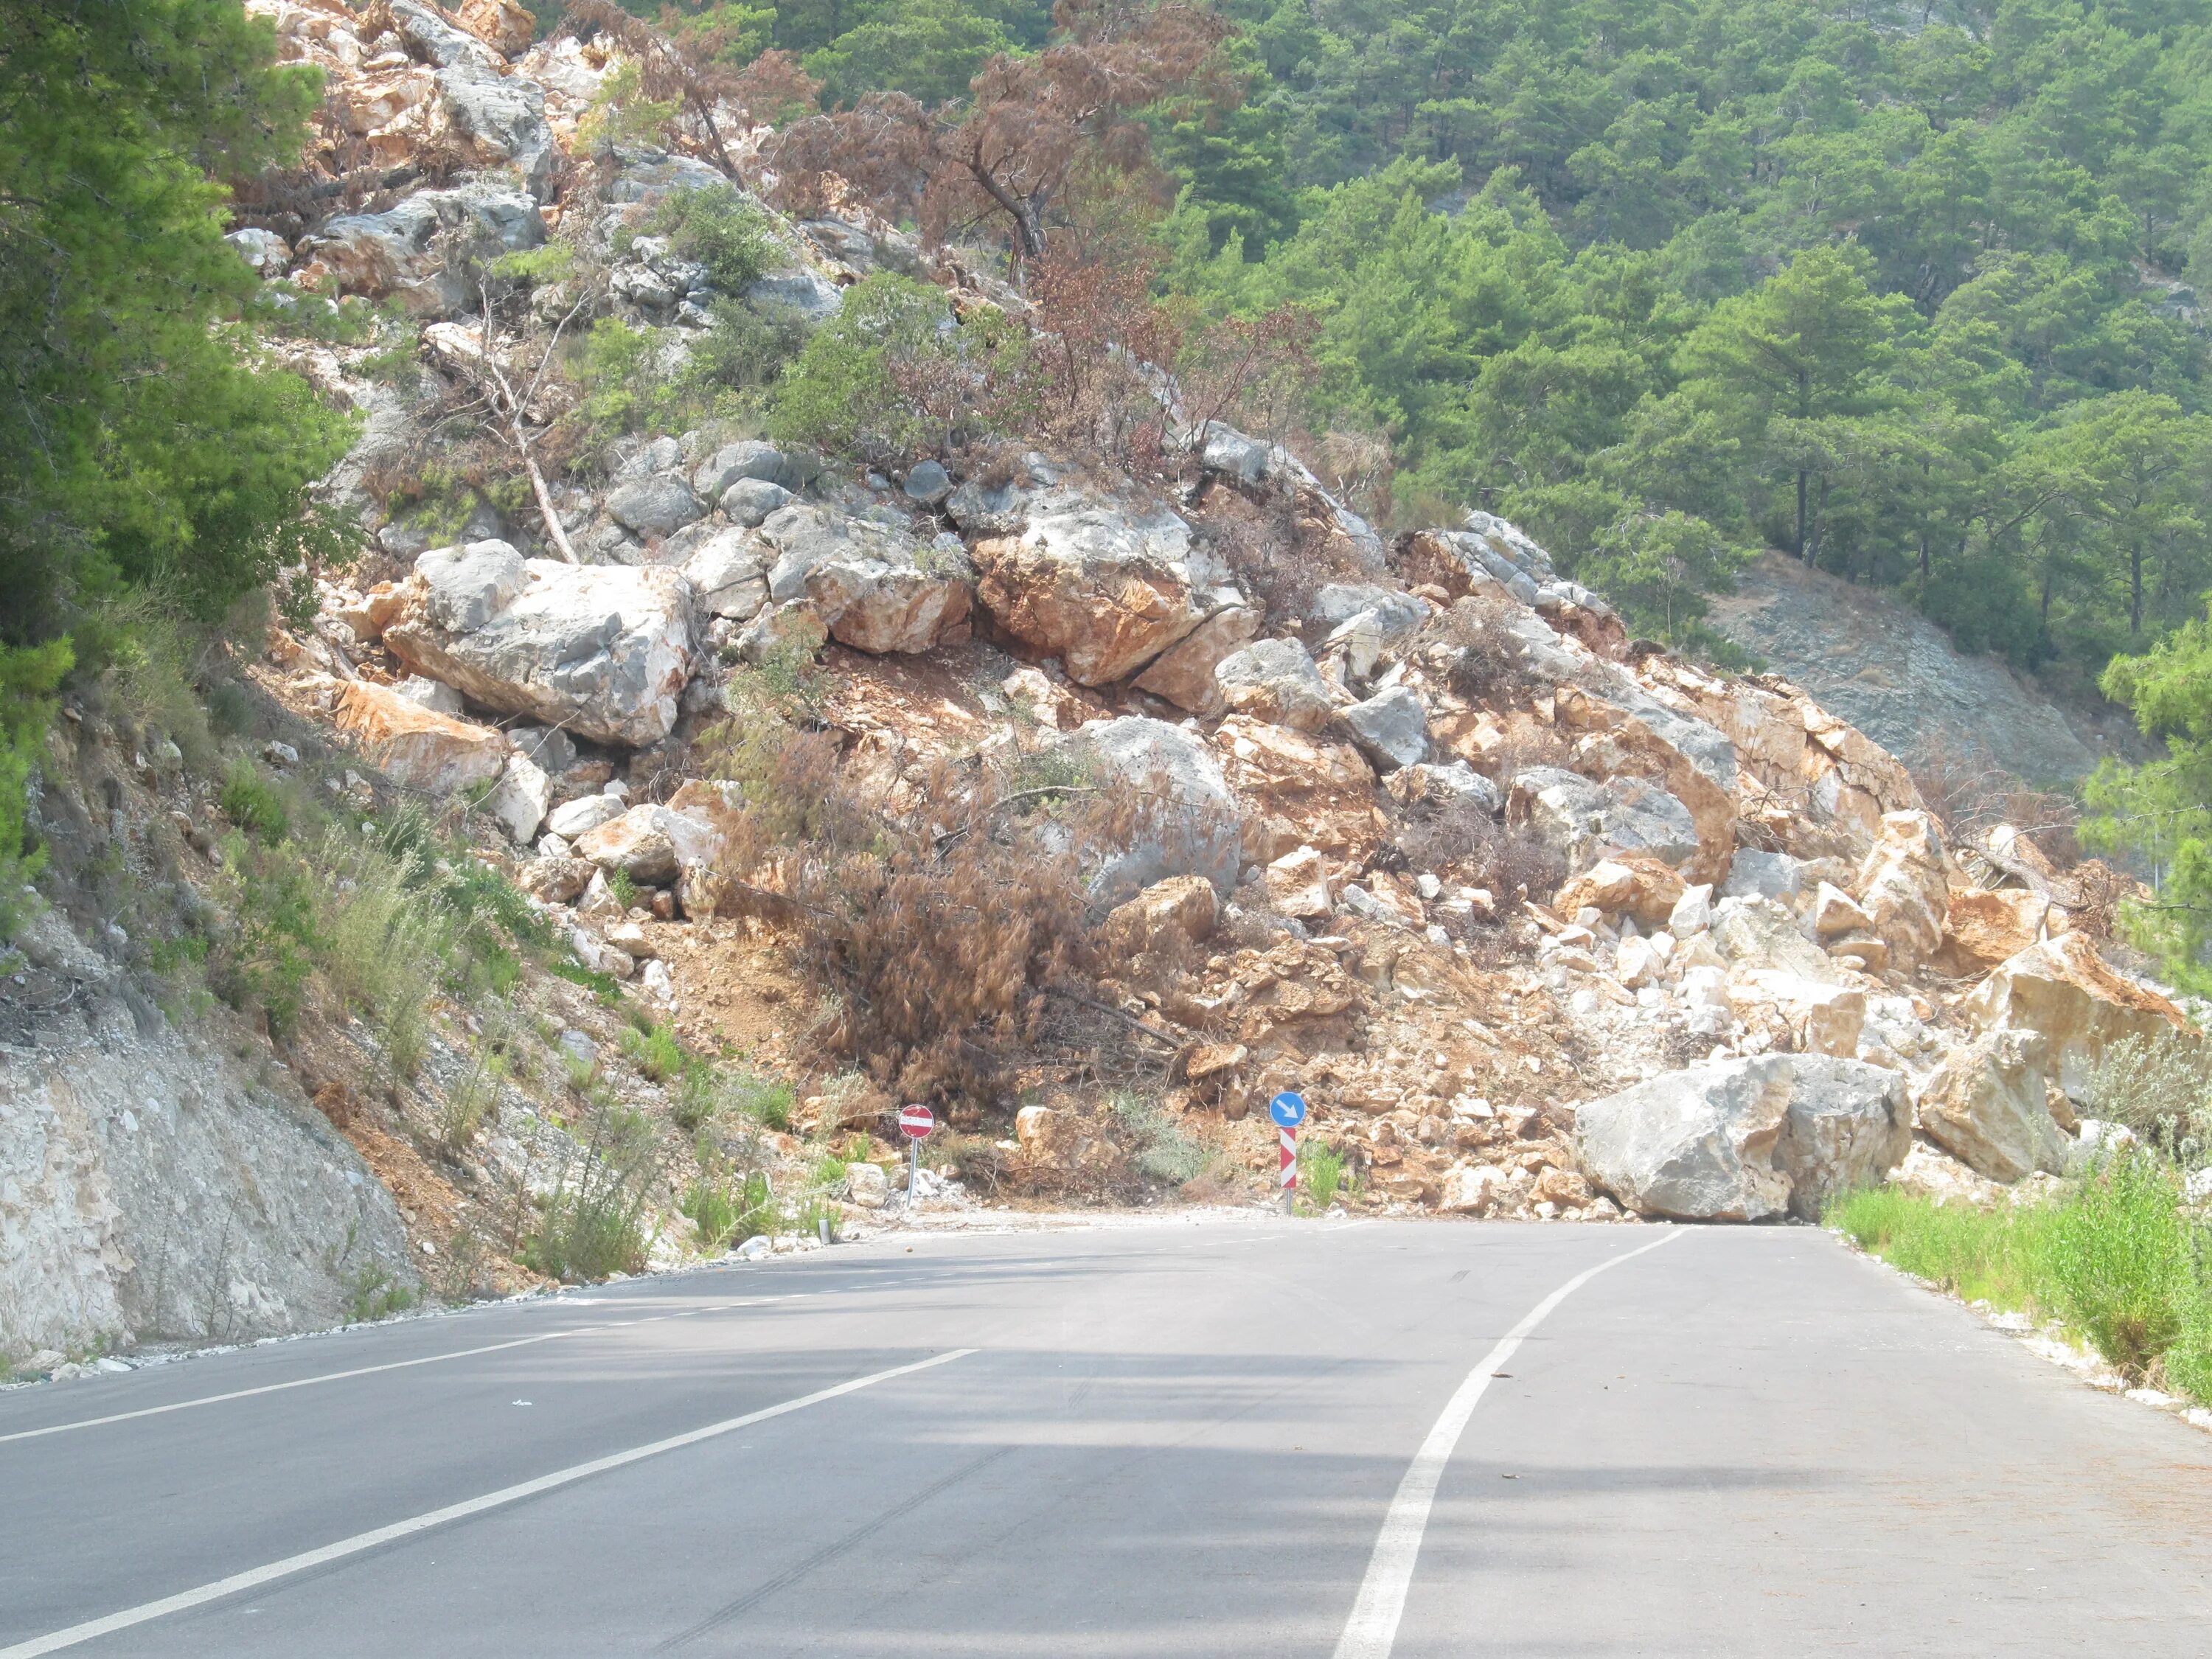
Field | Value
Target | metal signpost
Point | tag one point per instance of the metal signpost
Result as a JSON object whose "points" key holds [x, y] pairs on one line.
{"points": [[1289, 1110], [914, 1123]]}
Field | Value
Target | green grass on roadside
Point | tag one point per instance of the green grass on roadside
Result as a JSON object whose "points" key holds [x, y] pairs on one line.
{"points": [[2114, 1258]]}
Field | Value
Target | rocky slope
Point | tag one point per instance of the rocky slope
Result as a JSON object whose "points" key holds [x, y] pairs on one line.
{"points": [[1541, 925], [1897, 676]]}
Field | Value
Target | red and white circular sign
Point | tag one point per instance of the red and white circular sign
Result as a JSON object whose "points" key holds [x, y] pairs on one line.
{"points": [[916, 1121]]}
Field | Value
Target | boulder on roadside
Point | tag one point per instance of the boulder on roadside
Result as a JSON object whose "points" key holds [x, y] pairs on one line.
{"points": [[2079, 1002], [603, 651], [1931, 1173], [1745, 1139], [867, 582], [1987, 1104], [419, 747]]}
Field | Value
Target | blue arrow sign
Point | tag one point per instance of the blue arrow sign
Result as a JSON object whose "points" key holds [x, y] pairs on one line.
{"points": [[1288, 1108]]}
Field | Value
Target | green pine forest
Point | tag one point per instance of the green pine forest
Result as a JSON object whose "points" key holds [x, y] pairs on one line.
{"points": [[1908, 292]]}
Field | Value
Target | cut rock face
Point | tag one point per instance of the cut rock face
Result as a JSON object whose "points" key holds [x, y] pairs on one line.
{"points": [[865, 580], [1106, 582], [419, 747], [603, 651], [1746, 1139]]}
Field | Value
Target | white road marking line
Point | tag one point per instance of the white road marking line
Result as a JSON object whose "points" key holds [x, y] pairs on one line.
{"points": [[1372, 1629], [255, 1577], [358, 1370]]}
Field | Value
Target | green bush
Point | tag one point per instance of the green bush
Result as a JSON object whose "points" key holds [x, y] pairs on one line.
{"points": [[718, 228], [590, 1225], [1158, 1146], [654, 1051], [1321, 1172], [727, 1214], [250, 802], [2114, 1258], [27, 679]]}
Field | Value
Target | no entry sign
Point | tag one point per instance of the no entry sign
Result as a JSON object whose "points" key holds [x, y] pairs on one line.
{"points": [[916, 1121]]}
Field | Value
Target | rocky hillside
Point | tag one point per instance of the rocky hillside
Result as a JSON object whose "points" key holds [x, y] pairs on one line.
{"points": [[1895, 675], [1096, 808]]}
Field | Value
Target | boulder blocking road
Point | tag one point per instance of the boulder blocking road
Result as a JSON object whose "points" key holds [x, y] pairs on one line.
{"points": [[1161, 1436]]}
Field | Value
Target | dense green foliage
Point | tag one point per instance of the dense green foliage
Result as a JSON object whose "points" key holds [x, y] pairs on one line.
{"points": [[1896, 290], [2113, 1259], [141, 446]]}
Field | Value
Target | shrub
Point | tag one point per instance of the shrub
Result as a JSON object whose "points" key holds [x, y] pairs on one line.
{"points": [[895, 374], [2159, 1087], [727, 1214], [250, 802], [1159, 1148], [590, 1225], [718, 228], [269, 955], [1321, 1172], [654, 1051], [28, 677], [764, 1101], [468, 1100]]}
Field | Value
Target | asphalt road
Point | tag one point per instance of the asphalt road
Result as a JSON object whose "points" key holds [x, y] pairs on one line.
{"points": [[1146, 1439]]}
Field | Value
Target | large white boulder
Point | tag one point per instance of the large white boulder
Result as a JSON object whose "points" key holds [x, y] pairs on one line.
{"points": [[1988, 1104], [1746, 1139], [1585, 820], [2079, 1003], [1904, 887], [1189, 823], [603, 651], [1105, 580], [1276, 681], [872, 587]]}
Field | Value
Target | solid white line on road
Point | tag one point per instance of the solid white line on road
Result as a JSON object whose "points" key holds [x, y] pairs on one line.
{"points": [[358, 1370], [255, 1577], [1373, 1629]]}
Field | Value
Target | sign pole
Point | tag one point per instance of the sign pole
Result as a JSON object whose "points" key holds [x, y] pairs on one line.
{"points": [[1289, 1110], [914, 1123]]}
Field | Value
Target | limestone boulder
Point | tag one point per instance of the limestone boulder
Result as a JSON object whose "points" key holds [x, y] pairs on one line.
{"points": [[2078, 1002], [419, 747], [1297, 885], [602, 651], [1276, 681], [1186, 673], [1396, 613], [650, 844], [556, 880], [1391, 728], [1630, 734], [728, 573], [1107, 580], [655, 507], [574, 818], [1189, 822], [1822, 1019], [464, 588], [1987, 1104], [1904, 886], [1183, 910], [1836, 913], [1762, 933], [874, 586], [520, 796], [1584, 821], [1455, 784], [1629, 884], [1746, 1139]]}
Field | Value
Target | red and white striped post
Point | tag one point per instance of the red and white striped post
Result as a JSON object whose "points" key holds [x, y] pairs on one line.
{"points": [[1289, 1110]]}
